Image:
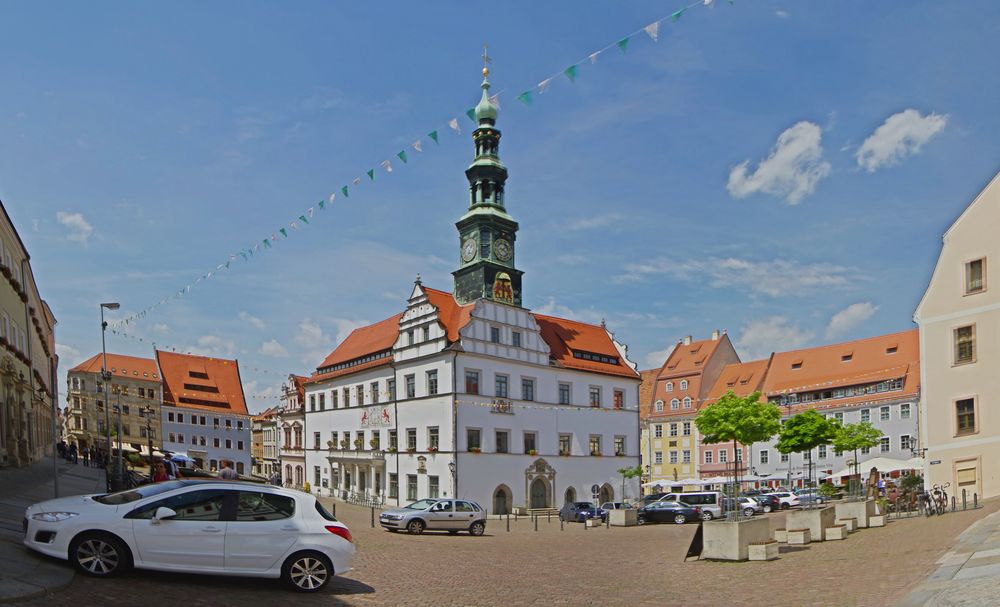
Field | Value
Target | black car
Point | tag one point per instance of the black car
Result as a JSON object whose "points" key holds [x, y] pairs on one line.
{"points": [[668, 512], [768, 502], [581, 511]]}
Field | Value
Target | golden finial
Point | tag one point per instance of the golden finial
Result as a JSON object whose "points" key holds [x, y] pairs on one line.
{"points": [[486, 62]]}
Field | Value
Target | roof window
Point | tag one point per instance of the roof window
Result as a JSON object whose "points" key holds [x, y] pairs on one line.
{"points": [[891, 349], [847, 357], [797, 364]]}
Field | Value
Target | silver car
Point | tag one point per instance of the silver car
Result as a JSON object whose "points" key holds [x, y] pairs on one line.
{"points": [[436, 514]]}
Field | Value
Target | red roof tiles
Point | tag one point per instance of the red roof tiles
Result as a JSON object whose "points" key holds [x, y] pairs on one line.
{"points": [[119, 365], [565, 337], [453, 316], [201, 382], [365, 341]]}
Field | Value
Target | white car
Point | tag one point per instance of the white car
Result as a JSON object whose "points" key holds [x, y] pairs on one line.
{"points": [[788, 500], [195, 526]]}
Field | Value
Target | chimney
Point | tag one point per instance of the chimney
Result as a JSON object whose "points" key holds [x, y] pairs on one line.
{"points": [[687, 340], [715, 335]]}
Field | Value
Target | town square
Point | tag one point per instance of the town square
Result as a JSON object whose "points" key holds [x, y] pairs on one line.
{"points": [[467, 303]]}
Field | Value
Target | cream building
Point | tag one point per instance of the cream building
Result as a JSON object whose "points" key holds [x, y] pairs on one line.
{"points": [[959, 320]]}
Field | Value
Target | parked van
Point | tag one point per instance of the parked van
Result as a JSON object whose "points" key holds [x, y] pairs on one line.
{"points": [[710, 502]]}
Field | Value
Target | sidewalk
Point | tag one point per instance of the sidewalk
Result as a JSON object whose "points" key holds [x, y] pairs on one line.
{"points": [[969, 573], [24, 574]]}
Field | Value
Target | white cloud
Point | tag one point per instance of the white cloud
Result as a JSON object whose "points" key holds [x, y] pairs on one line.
{"points": [[783, 14], [213, 345], [273, 348], [79, 229], [901, 135], [774, 334], [600, 221], [792, 170], [778, 277], [571, 259], [850, 317], [655, 360], [160, 328], [69, 356], [252, 320], [553, 308], [315, 343]]}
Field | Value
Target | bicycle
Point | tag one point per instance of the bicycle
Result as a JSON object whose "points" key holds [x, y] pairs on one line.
{"points": [[941, 498]]}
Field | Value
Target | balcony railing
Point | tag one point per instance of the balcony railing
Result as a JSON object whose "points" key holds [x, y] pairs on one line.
{"points": [[355, 455]]}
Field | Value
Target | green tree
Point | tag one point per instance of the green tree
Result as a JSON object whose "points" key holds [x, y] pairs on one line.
{"points": [[852, 437], [628, 473], [743, 420], [806, 431]]}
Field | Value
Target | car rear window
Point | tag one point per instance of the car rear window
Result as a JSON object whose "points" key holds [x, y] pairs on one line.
{"points": [[260, 506], [324, 512]]}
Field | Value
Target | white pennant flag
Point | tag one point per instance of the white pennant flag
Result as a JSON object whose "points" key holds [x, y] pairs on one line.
{"points": [[495, 101], [653, 29], [333, 197], [387, 166], [593, 57], [293, 225], [310, 212], [709, 2], [453, 123], [357, 181], [544, 85], [418, 146], [274, 238]]}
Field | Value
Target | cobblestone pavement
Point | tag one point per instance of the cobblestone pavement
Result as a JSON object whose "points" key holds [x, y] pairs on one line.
{"points": [[636, 566]]}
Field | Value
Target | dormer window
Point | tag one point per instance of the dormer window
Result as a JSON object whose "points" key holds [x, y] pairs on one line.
{"points": [[684, 384], [892, 349], [670, 386], [797, 364], [846, 358]]}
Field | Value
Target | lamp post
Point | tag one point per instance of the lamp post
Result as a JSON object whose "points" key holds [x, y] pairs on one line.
{"points": [[114, 482], [148, 412], [454, 481]]}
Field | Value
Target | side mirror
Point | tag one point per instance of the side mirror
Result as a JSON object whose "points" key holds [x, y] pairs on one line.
{"points": [[163, 513]]}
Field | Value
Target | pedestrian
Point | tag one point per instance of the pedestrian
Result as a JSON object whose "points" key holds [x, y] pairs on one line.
{"points": [[86, 456], [160, 472], [171, 467], [61, 448], [72, 453], [227, 472]]}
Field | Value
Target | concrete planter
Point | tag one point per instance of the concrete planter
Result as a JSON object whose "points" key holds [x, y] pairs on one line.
{"points": [[764, 551], [814, 519], [624, 518], [861, 511], [851, 523], [877, 521], [594, 522], [781, 535], [799, 537], [730, 540], [837, 532]]}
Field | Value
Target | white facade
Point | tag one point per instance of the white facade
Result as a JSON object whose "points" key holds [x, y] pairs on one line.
{"points": [[208, 437], [413, 441]]}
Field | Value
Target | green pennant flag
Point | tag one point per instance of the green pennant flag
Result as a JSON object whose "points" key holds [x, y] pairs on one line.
{"points": [[267, 243], [433, 135], [525, 97], [303, 219], [244, 255], [371, 174], [227, 265], [471, 113], [677, 16], [571, 72], [249, 250], [402, 155], [322, 205], [344, 191], [284, 232], [623, 44]]}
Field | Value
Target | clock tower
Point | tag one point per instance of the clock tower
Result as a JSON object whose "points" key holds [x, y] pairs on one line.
{"points": [[486, 233]]}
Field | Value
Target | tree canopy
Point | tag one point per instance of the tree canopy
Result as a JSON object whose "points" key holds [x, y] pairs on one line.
{"points": [[806, 431], [860, 435], [743, 419]]}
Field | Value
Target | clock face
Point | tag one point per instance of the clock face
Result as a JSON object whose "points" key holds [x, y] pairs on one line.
{"points": [[502, 249], [469, 249]]}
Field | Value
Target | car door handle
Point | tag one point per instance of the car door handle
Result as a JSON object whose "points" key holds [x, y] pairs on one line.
{"points": [[211, 529], [289, 528], [451, 515]]}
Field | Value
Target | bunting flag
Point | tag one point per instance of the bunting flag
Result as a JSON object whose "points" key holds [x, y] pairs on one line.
{"points": [[267, 243], [593, 57], [371, 174], [310, 212], [434, 134], [471, 113], [677, 15], [284, 233], [419, 145], [525, 97], [453, 123], [653, 29], [387, 166], [571, 72], [274, 237], [303, 219], [322, 203], [402, 156], [623, 44], [544, 85], [333, 197], [293, 225], [344, 191], [357, 181]]}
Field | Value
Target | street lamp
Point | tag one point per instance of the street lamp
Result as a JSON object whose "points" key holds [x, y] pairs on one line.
{"points": [[115, 481], [148, 412]]}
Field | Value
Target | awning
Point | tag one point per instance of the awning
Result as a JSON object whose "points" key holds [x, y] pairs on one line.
{"points": [[883, 465]]}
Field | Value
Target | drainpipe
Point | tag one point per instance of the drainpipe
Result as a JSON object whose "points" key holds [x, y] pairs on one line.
{"points": [[454, 424], [395, 416]]}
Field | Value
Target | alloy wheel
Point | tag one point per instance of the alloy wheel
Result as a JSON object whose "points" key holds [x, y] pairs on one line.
{"points": [[98, 557], [308, 573], [680, 519]]}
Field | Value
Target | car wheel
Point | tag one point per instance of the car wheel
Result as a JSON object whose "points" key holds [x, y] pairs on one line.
{"points": [[680, 519], [767, 508], [641, 520], [748, 512], [453, 532], [785, 506], [706, 515], [99, 554], [307, 571], [477, 528], [415, 527]]}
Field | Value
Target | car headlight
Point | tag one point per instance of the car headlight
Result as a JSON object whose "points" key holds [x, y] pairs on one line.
{"points": [[53, 517]]}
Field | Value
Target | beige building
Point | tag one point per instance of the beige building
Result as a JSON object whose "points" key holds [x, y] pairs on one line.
{"points": [[959, 320], [134, 388], [28, 358]]}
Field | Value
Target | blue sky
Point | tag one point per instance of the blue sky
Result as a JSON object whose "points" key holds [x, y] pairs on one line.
{"points": [[782, 170]]}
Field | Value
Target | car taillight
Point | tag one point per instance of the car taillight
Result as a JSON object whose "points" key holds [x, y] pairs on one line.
{"points": [[341, 531], [697, 509]]}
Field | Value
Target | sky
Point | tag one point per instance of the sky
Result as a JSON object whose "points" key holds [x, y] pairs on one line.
{"points": [[780, 170]]}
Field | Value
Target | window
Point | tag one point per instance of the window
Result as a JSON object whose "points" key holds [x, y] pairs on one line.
{"points": [[675, 404], [530, 442], [822, 451], [501, 387], [229, 424], [723, 456], [411, 386], [393, 485], [410, 338], [216, 442], [595, 396], [965, 345], [347, 396], [229, 443], [316, 476], [684, 384], [360, 391], [205, 505], [411, 486], [391, 387], [374, 388], [527, 389], [595, 444], [312, 402], [784, 458], [473, 438], [975, 276], [658, 406], [427, 333], [739, 454], [673, 429], [180, 437], [411, 439], [658, 457], [965, 414], [495, 335], [170, 437], [883, 414], [433, 438], [687, 429], [393, 442], [764, 456], [658, 430], [502, 441], [865, 450], [515, 338], [432, 382], [866, 415], [432, 486], [687, 402], [180, 418], [686, 457], [472, 382], [619, 400], [565, 442], [708, 457], [170, 417], [884, 444], [904, 411], [839, 417], [619, 445], [673, 457], [670, 386], [317, 440], [322, 401], [564, 393], [202, 420], [257, 506], [904, 442]]}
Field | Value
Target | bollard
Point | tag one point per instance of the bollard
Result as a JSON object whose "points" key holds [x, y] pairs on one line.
{"points": [[560, 524], [584, 524], [515, 516], [333, 509], [548, 516], [373, 517], [607, 523], [953, 503], [508, 522], [536, 523], [964, 503], [975, 500]]}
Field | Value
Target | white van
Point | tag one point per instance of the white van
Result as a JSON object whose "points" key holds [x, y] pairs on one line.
{"points": [[710, 502]]}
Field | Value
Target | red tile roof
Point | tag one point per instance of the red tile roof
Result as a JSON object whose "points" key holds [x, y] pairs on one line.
{"points": [[119, 365], [202, 382], [742, 378], [646, 391], [689, 358], [365, 341], [453, 316], [371, 364], [568, 336]]}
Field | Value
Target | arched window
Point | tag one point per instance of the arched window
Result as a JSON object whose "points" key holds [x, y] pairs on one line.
{"points": [[674, 404], [670, 386], [684, 384], [659, 405], [687, 402]]}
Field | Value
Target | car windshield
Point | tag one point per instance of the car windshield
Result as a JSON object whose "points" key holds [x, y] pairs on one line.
{"points": [[134, 495], [583, 505], [421, 505]]}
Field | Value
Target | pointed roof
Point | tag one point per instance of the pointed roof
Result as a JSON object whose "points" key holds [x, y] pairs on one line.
{"points": [[686, 359], [452, 315], [742, 378], [202, 382], [572, 345], [365, 341], [121, 366]]}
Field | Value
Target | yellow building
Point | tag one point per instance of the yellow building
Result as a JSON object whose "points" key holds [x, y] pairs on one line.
{"points": [[959, 319], [28, 358]]}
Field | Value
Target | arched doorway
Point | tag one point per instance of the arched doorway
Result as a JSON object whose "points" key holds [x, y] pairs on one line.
{"points": [[607, 493], [298, 476], [539, 494], [288, 475], [570, 496], [502, 500]]}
